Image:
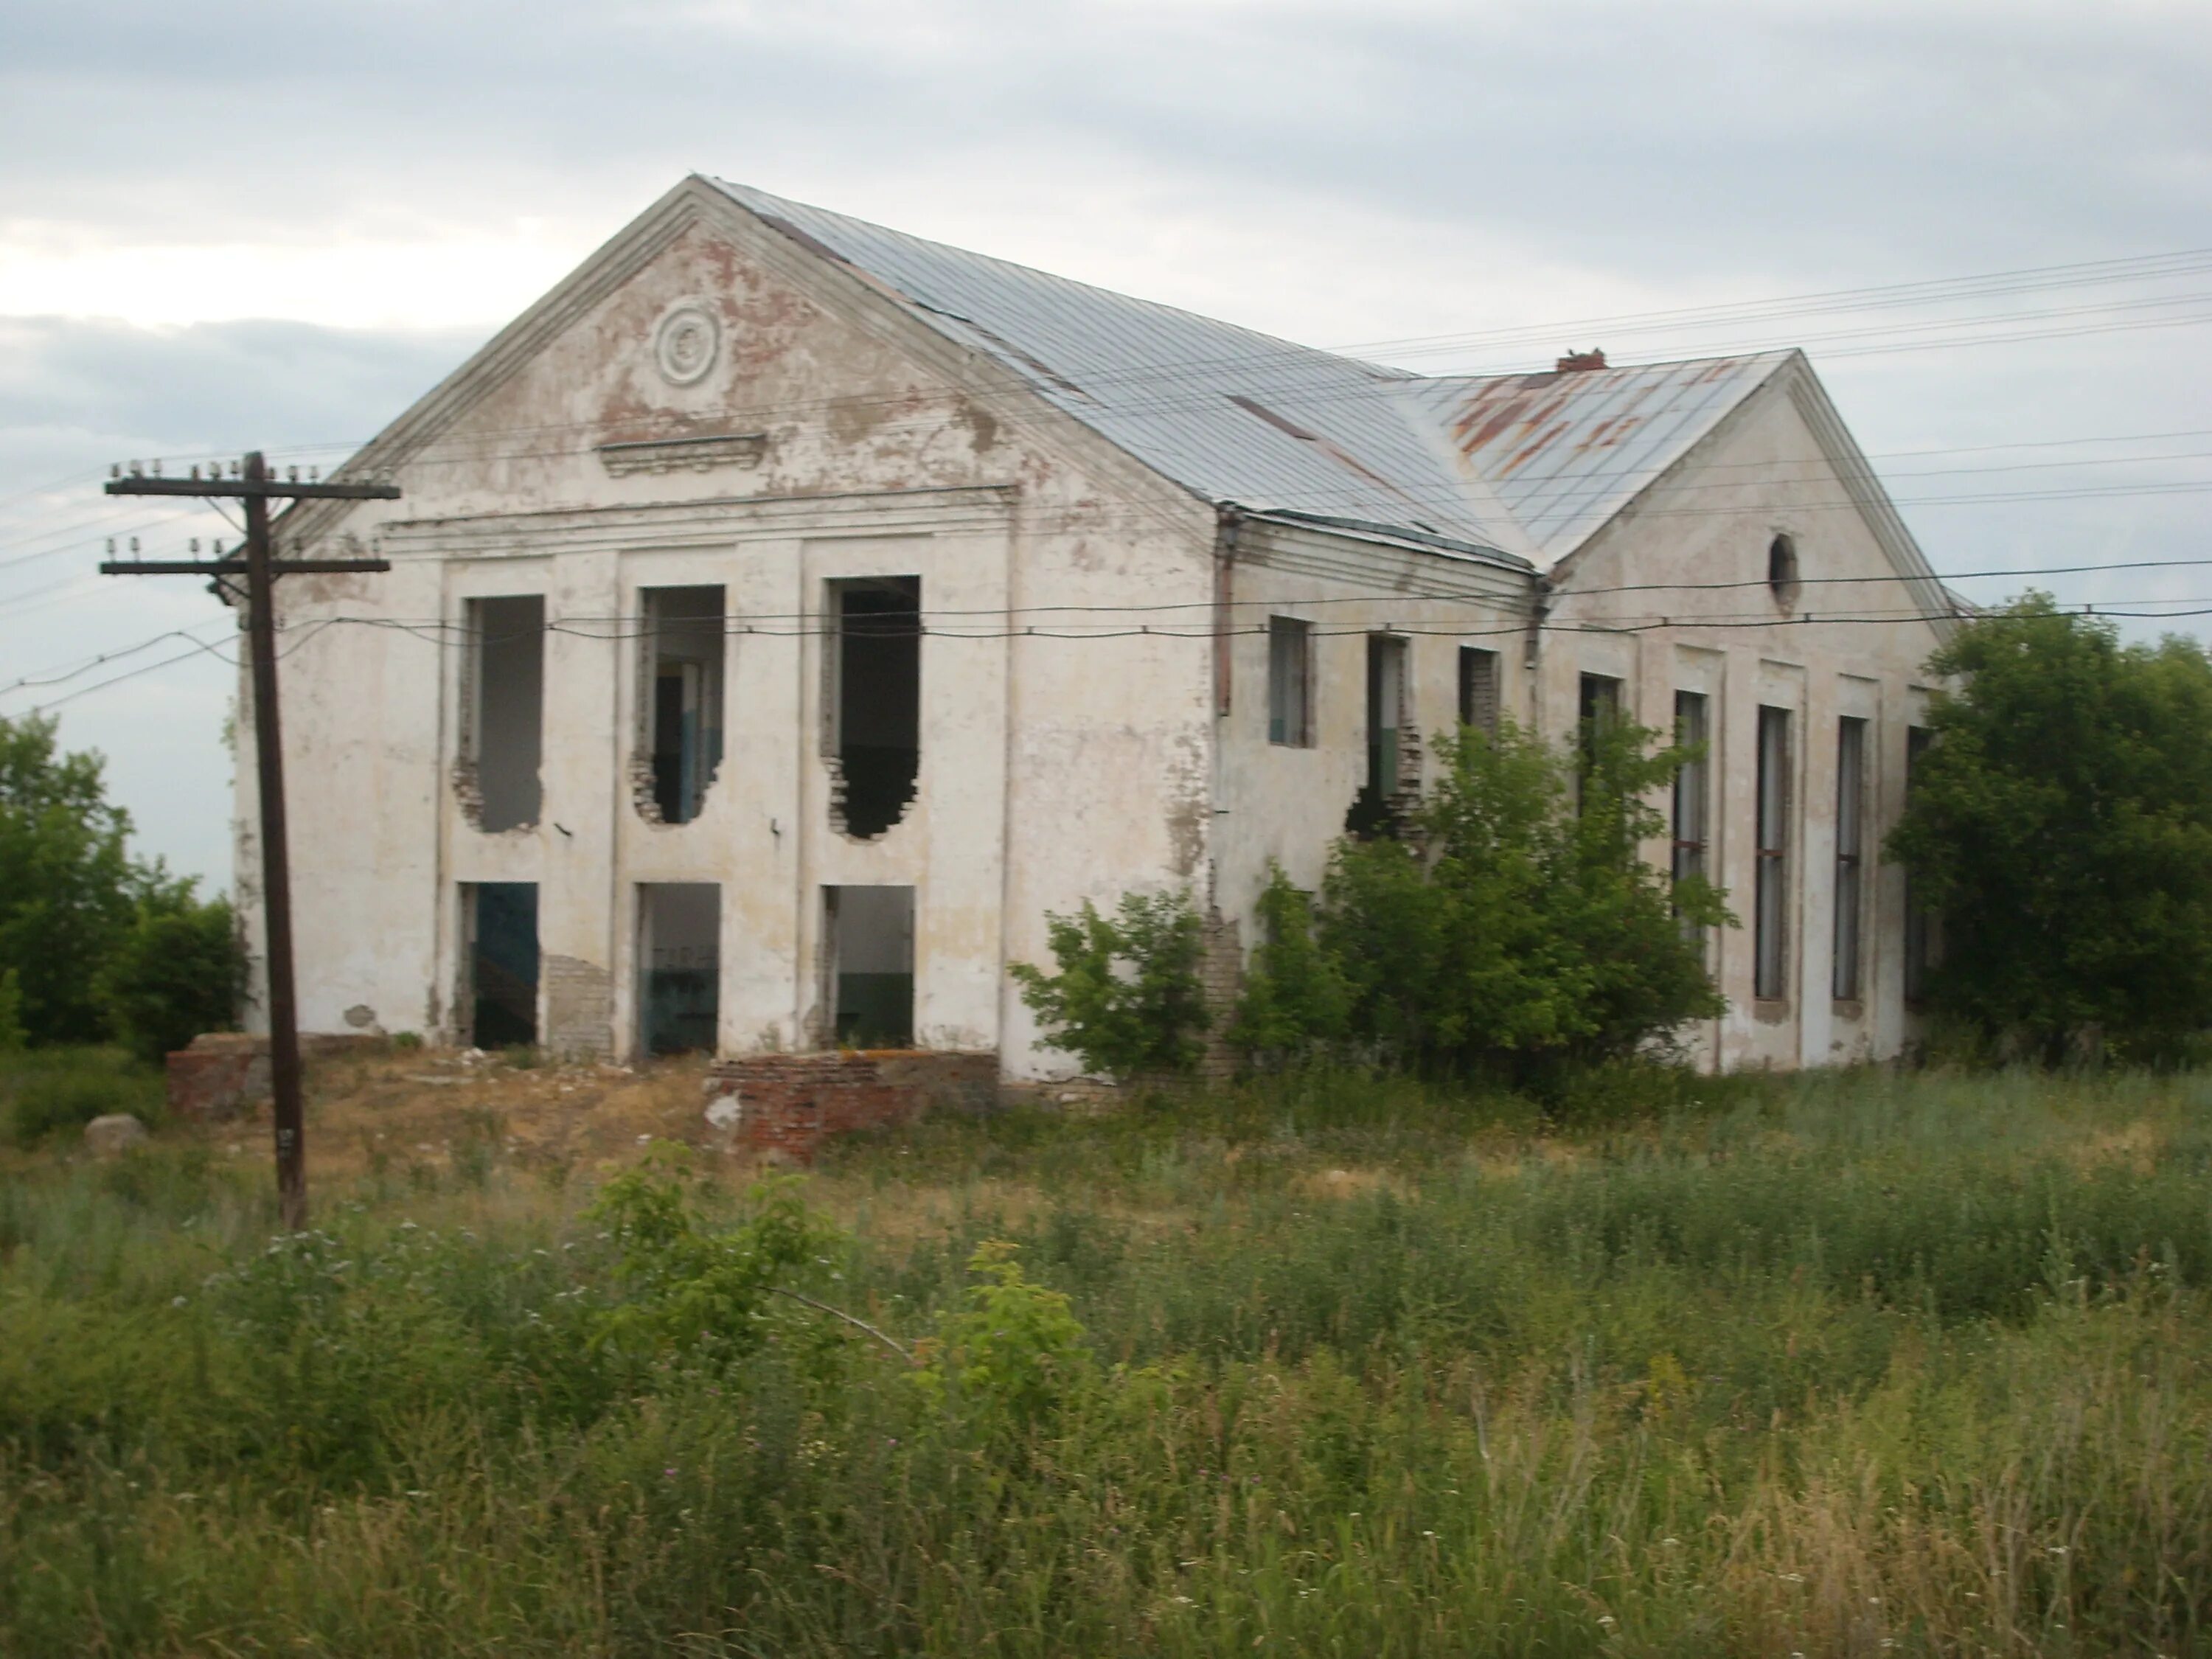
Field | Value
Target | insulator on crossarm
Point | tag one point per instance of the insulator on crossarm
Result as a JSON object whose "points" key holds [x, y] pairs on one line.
{"points": [[111, 547], [291, 475], [115, 469], [134, 547], [196, 471], [195, 546]]}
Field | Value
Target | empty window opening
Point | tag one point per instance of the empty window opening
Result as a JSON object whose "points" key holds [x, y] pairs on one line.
{"points": [[1692, 788], [1770, 895], [1289, 682], [1597, 711], [503, 734], [1782, 570], [1851, 854], [679, 927], [1923, 928], [683, 642], [870, 938], [1379, 808], [500, 962], [873, 728], [1477, 690]]}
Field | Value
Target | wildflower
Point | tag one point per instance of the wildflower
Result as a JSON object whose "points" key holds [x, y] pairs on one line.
{"points": [[1608, 1620], [176, 1302]]}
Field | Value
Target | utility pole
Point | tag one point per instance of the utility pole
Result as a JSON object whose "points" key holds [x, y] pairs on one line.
{"points": [[250, 485]]}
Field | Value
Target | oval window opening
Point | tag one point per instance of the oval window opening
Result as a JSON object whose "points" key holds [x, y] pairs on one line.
{"points": [[1781, 571]]}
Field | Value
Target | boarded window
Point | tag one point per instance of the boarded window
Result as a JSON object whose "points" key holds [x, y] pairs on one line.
{"points": [[684, 644], [1850, 855], [679, 927], [871, 949], [1693, 786], [1770, 896], [873, 706], [1289, 682], [500, 962], [504, 733], [1477, 689]]}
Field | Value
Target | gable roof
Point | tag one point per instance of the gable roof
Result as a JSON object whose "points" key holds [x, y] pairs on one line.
{"points": [[1565, 451], [1230, 414]]}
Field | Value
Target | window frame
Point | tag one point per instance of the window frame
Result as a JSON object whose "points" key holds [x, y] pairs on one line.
{"points": [[1288, 729], [1772, 813], [1847, 980]]}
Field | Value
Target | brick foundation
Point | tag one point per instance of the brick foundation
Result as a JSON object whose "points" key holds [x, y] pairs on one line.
{"points": [[783, 1107]]}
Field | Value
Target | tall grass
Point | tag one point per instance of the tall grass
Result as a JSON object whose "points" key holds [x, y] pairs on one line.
{"points": [[1839, 1365]]}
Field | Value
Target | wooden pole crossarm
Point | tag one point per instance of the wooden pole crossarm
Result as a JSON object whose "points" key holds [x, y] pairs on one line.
{"points": [[235, 566], [254, 489]]}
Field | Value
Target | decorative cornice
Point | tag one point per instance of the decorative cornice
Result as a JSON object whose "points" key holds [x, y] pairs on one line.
{"points": [[656, 455]]}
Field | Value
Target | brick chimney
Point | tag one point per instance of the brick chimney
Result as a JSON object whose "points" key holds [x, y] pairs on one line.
{"points": [[1574, 362]]}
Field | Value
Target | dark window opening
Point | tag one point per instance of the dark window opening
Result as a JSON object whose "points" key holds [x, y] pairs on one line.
{"points": [[679, 966], [1851, 854], [1289, 682], [1692, 788], [504, 734], [1782, 570], [874, 716], [1378, 809], [1770, 895], [871, 949], [1923, 928], [500, 923], [1479, 690], [1597, 711], [684, 637]]}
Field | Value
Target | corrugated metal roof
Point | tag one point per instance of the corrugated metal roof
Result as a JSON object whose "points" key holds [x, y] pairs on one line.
{"points": [[1565, 451], [1528, 465], [1230, 413]]}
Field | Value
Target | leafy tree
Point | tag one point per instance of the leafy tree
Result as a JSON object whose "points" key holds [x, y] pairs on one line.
{"points": [[2061, 823], [1297, 1003], [1517, 929], [179, 971], [94, 943], [1127, 999], [68, 890]]}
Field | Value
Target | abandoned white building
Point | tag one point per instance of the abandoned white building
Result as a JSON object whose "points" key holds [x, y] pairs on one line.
{"points": [[785, 614]]}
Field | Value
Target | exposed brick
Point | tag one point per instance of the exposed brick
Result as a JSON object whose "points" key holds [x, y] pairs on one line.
{"points": [[789, 1104]]}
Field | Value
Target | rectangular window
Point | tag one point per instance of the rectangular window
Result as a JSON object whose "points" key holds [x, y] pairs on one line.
{"points": [[1923, 930], [871, 939], [682, 709], [872, 705], [504, 728], [1386, 697], [679, 927], [499, 925], [1770, 896], [1851, 854], [1477, 689], [1693, 786], [1597, 709], [1289, 682]]}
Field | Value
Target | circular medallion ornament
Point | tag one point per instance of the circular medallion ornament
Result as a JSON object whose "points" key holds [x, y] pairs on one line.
{"points": [[685, 343]]}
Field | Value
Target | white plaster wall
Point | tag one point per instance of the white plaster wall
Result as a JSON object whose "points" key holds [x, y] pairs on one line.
{"points": [[1067, 763], [1711, 521]]}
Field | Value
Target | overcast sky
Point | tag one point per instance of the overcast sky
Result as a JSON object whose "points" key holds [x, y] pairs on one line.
{"points": [[235, 224]]}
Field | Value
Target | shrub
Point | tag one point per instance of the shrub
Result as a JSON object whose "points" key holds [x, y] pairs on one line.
{"points": [[1127, 999], [1297, 1003], [1515, 931], [44, 1091], [179, 971], [1010, 1354]]}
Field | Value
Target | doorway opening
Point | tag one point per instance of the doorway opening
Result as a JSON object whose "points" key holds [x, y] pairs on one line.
{"points": [[870, 931], [679, 955], [683, 705], [873, 729], [500, 961]]}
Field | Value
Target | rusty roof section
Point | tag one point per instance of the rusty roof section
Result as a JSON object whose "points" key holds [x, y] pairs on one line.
{"points": [[1567, 449]]}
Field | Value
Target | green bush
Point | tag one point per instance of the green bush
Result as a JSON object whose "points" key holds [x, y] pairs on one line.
{"points": [[179, 971], [1514, 931], [1127, 999], [45, 1092]]}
